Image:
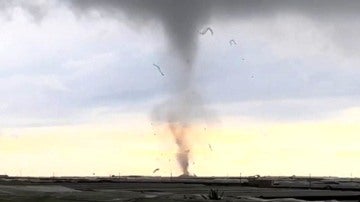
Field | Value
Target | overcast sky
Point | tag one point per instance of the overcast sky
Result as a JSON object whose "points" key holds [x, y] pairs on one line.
{"points": [[78, 62]]}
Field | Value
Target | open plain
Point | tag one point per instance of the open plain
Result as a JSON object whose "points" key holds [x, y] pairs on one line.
{"points": [[175, 189]]}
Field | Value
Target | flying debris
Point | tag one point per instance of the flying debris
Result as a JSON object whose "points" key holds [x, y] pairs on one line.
{"points": [[232, 42], [157, 169], [205, 30], [159, 69], [210, 147]]}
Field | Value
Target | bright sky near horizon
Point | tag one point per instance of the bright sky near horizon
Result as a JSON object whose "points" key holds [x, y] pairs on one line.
{"points": [[78, 89]]}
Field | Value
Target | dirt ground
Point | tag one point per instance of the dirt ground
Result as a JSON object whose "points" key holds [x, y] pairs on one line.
{"points": [[148, 192]]}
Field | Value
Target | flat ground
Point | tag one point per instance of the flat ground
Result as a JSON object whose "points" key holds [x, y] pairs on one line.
{"points": [[155, 191]]}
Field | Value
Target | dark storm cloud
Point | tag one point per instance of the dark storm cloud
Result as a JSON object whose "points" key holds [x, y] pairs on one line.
{"points": [[183, 19], [180, 19]]}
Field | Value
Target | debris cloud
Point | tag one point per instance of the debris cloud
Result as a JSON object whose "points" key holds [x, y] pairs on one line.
{"points": [[179, 130]]}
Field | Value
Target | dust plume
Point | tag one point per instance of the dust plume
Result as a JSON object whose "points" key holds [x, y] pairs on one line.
{"points": [[182, 156]]}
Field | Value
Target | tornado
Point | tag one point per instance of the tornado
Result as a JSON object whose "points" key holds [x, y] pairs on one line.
{"points": [[181, 21]]}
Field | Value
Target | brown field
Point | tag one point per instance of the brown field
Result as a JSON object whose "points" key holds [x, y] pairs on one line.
{"points": [[139, 188]]}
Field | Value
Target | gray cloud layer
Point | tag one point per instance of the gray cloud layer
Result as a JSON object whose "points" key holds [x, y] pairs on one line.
{"points": [[181, 21]]}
